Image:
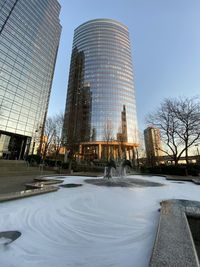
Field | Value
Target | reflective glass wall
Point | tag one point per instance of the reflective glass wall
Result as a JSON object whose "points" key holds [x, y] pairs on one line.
{"points": [[101, 98], [29, 37]]}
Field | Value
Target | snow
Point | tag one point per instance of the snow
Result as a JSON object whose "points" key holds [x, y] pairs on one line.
{"points": [[88, 226]]}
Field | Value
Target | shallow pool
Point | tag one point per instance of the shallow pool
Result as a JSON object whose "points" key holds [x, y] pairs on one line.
{"points": [[88, 226]]}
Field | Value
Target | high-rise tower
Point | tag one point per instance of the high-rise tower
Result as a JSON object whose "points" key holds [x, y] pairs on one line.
{"points": [[100, 115], [29, 38], [153, 145]]}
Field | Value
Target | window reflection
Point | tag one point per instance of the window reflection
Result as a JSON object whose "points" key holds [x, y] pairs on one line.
{"points": [[101, 57], [28, 47]]}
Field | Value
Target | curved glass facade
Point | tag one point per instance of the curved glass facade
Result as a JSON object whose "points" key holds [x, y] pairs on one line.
{"points": [[29, 38], [101, 99]]}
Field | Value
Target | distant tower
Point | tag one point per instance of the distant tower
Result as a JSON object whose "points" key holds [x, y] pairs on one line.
{"points": [[101, 58], [153, 145], [29, 37]]}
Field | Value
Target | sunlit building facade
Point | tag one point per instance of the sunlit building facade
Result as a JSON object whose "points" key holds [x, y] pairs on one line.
{"points": [[100, 116], [153, 146], [29, 38]]}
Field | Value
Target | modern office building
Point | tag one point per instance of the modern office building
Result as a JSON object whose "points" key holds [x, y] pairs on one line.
{"points": [[153, 145], [100, 115], [29, 39]]}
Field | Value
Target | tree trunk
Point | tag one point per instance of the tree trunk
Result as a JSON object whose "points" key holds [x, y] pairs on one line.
{"points": [[176, 161], [186, 156], [70, 166], [107, 152]]}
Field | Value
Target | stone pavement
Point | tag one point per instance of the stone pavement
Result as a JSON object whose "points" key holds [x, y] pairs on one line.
{"points": [[14, 174], [14, 183], [17, 183]]}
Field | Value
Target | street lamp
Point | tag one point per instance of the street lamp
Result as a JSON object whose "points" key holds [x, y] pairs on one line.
{"points": [[34, 141]]}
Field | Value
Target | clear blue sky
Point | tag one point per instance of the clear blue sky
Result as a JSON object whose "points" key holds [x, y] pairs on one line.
{"points": [[165, 39]]}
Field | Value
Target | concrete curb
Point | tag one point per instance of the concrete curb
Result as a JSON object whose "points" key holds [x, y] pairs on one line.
{"points": [[174, 245]]}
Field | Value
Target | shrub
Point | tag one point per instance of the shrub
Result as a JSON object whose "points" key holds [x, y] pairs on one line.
{"points": [[52, 163], [166, 169], [174, 170], [193, 169], [65, 165], [33, 159]]}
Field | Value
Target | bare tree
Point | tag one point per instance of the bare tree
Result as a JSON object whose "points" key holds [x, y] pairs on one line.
{"points": [[108, 136], [187, 111], [179, 122], [57, 138], [48, 136], [121, 139]]}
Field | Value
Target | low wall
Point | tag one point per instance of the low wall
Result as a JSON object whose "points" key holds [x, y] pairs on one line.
{"points": [[174, 244]]}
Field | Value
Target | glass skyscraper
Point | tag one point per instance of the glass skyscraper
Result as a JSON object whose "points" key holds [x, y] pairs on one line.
{"points": [[29, 38], [100, 115]]}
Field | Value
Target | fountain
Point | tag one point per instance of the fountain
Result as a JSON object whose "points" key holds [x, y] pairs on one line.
{"points": [[120, 169], [115, 175], [108, 169]]}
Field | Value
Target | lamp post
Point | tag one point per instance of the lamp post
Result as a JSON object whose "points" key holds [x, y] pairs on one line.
{"points": [[34, 140], [41, 136]]}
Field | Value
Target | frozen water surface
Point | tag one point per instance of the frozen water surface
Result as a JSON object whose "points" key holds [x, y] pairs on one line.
{"points": [[88, 226]]}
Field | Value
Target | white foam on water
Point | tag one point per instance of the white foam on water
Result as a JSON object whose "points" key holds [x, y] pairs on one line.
{"points": [[4, 241], [88, 226]]}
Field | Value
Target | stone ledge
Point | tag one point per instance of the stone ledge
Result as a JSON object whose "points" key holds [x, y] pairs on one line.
{"points": [[196, 181], [174, 244], [27, 193], [43, 183]]}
